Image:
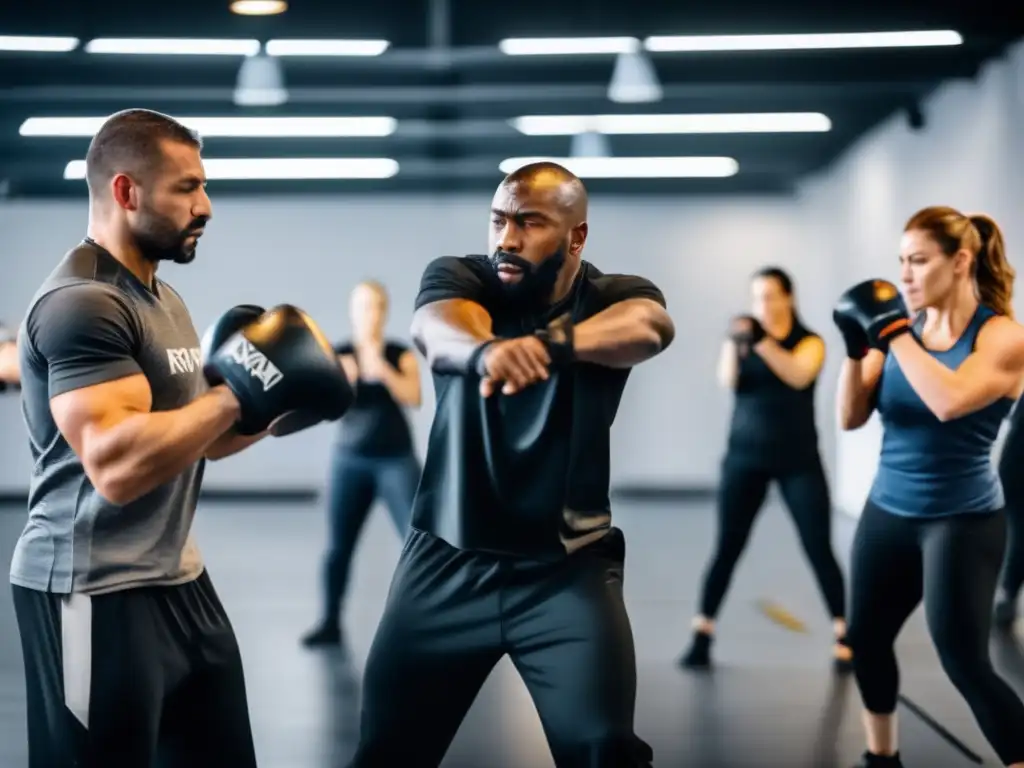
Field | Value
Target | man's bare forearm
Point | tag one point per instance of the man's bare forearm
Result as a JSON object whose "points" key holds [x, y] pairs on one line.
{"points": [[131, 458], [448, 333], [624, 335], [231, 443]]}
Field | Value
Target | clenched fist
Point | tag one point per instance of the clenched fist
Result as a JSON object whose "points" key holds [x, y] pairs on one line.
{"points": [[514, 364]]}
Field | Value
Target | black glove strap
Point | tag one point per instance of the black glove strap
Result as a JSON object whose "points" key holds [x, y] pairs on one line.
{"points": [[559, 339], [476, 363]]}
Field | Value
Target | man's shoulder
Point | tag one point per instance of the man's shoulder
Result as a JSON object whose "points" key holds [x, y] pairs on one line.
{"points": [[84, 270], [617, 286], [469, 264]]}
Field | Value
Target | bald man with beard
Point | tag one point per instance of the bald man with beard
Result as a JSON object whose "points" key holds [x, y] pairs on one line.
{"points": [[512, 548]]}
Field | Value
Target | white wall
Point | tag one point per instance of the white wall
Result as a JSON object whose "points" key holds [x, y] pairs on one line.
{"points": [[969, 156], [670, 429]]}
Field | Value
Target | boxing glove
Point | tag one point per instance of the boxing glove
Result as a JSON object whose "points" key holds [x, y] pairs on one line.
{"points": [[854, 337], [223, 328], [284, 373], [877, 308], [746, 330]]}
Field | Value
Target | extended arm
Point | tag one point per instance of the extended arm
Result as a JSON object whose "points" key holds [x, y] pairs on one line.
{"points": [[992, 371], [625, 334], [450, 323], [449, 332], [632, 328], [798, 368]]}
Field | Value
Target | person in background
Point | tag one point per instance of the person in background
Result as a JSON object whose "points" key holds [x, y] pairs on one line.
{"points": [[374, 456], [771, 362], [9, 372], [942, 367], [1010, 475]]}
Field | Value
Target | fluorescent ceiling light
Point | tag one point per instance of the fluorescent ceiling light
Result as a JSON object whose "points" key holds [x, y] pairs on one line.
{"points": [[679, 43], [635, 167], [326, 47], [567, 46], [38, 44], [169, 46], [234, 127], [282, 168], [258, 7], [768, 122]]}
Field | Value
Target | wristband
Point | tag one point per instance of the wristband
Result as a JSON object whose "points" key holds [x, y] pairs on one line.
{"points": [[476, 363], [558, 338]]}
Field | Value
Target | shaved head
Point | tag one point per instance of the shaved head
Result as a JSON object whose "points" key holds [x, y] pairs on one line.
{"points": [[563, 186], [538, 229]]}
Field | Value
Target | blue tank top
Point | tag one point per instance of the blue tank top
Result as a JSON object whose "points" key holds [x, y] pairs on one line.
{"points": [[930, 468]]}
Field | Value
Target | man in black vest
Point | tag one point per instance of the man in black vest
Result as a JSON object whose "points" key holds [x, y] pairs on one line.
{"points": [[512, 550]]}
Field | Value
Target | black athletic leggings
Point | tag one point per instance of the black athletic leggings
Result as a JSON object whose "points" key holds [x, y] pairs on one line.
{"points": [[741, 495], [952, 563], [356, 482], [1011, 474]]}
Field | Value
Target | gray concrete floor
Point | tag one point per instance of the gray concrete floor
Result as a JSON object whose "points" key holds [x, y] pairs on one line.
{"points": [[772, 701]]}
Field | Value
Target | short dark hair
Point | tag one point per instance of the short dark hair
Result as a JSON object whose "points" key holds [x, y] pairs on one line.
{"points": [[129, 142]]}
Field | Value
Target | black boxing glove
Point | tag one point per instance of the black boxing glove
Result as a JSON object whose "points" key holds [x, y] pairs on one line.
{"points": [[284, 373], [745, 332], [854, 337], [224, 328], [745, 329], [877, 308], [559, 340]]}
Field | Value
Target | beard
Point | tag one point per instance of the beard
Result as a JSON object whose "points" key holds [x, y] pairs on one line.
{"points": [[160, 240], [537, 284]]}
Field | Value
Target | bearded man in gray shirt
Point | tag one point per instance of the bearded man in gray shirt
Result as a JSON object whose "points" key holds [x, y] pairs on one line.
{"points": [[130, 658]]}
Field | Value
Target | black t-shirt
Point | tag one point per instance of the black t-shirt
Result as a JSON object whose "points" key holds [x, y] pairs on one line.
{"points": [[773, 424], [375, 425], [526, 474]]}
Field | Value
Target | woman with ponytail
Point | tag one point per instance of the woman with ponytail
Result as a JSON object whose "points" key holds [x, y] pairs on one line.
{"points": [[942, 364]]}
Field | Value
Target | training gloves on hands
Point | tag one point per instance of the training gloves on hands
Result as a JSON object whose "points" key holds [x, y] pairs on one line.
{"points": [[283, 371], [232, 321], [871, 314], [746, 331]]}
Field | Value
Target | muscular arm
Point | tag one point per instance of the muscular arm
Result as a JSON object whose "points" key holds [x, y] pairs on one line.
{"points": [[992, 371], [101, 402], [450, 322], [632, 328], [230, 443], [128, 450], [858, 380], [797, 369], [625, 334]]}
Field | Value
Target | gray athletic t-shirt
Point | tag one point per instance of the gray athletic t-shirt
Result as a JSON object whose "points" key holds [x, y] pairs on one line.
{"points": [[93, 321]]}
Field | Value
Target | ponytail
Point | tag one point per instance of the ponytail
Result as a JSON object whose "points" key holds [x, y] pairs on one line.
{"points": [[993, 273]]}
